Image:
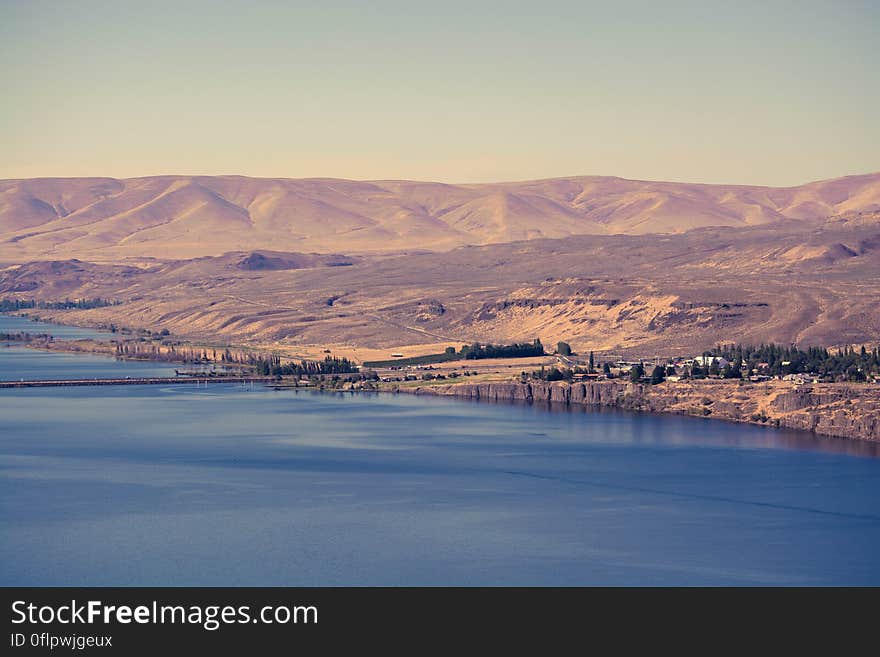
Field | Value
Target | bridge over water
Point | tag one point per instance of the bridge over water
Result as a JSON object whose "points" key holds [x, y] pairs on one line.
{"points": [[136, 381]]}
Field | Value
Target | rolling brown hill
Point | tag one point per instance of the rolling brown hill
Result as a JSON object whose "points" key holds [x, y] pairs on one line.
{"points": [[616, 294], [104, 219]]}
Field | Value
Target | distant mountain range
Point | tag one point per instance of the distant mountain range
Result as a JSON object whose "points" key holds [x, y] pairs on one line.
{"points": [[193, 216]]}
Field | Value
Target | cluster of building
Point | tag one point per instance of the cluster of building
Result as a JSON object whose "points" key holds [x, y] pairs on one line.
{"points": [[709, 366]]}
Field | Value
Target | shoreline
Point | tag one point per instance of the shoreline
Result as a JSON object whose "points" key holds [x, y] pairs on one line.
{"points": [[838, 410], [108, 349], [832, 410], [132, 381]]}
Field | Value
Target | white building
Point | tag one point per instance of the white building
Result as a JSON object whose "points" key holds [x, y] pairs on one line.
{"points": [[706, 361]]}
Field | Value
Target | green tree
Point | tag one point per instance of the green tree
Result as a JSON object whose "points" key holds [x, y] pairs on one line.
{"points": [[636, 373], [563, 349], [733, 371], [658, 375]]}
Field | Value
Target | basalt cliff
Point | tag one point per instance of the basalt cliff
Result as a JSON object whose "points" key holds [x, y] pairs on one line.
{"points": [[839, 410]]}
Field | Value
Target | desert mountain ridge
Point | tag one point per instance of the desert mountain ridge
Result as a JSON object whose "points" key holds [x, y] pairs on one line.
{"points": [[194, 216], [617, 294]]}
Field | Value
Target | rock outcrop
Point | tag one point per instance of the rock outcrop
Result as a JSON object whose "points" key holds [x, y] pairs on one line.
{"points": [[840, 410]]}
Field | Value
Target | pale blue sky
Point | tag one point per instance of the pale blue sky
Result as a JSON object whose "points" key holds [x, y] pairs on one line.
{"points": [[766, 92]]}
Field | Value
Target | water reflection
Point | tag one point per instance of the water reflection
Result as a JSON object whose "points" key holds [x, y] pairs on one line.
{"points": [[17, 324], [19, 363], [152, 485], [761, 436], [644, 433]]}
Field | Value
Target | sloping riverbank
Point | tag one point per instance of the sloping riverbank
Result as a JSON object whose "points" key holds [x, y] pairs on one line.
{"points": [[833, 409]]}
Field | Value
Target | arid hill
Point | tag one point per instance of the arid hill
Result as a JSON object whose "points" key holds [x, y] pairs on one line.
{"points": [[616, 294], [104, 219]]}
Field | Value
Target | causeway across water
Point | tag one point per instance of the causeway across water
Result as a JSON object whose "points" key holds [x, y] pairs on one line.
{"points": [[134, 381]]}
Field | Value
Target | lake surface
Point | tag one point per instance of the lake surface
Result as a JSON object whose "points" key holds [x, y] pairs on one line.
{"points": [[176, 485], [16, 324], [18, 362]]}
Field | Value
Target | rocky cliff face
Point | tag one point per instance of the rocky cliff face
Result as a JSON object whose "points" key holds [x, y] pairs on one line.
{"points": [[847, 411], [840, 410]]}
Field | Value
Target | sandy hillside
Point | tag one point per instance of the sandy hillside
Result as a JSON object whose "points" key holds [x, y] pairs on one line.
{"points": [[190, 216], [620, 294]]}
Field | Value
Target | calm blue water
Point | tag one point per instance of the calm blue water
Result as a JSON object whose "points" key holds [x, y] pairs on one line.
{"points": [[153, 485], [18, 362], [16, 324]]}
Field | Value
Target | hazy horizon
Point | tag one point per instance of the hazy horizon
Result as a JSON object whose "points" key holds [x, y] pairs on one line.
{"points": [[771, 94], [460, 183]]}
